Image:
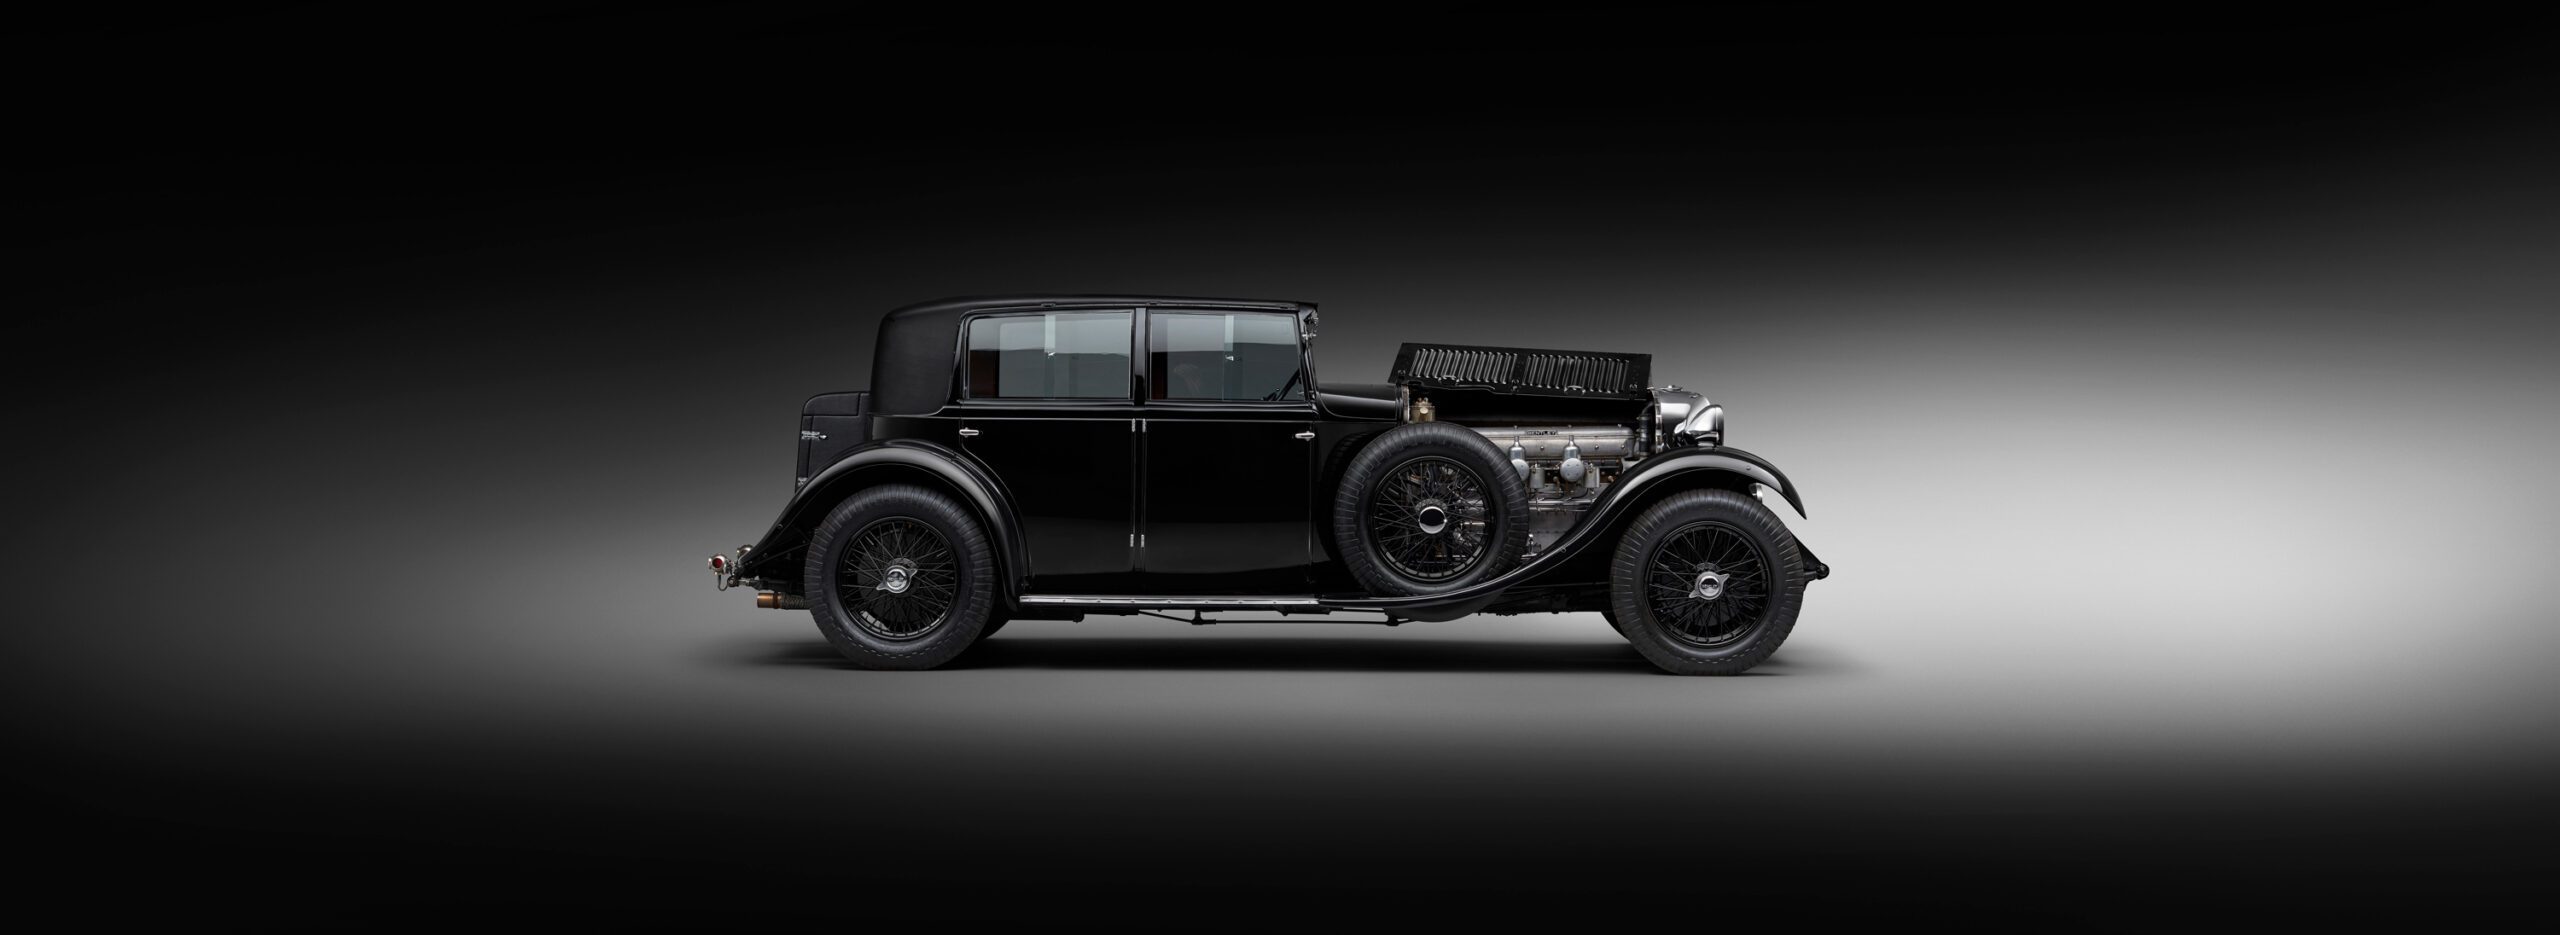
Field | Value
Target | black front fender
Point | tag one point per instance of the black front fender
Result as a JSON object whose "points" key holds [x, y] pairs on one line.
{"points": [[778, 555], [1687, 461]]}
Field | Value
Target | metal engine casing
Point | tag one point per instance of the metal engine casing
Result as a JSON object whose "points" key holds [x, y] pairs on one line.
{"points": [[1564, 467]]}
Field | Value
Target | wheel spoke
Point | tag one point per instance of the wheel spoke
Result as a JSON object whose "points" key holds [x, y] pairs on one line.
{"points": [[1671, 583], [932, 578], [1396, 510]]}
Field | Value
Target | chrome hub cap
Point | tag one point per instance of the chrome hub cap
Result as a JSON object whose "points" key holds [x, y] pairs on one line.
{"points": [[1431, 518], [896, 578], [1709, 586]]}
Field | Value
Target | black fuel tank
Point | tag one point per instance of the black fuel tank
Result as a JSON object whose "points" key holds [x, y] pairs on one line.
{"points": [[830, 425]]}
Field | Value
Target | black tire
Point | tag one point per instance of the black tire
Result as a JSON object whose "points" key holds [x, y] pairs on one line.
{"points": [[1612, 617], [994, 623], [1715, 543], [900, 577], [1479, 529]]}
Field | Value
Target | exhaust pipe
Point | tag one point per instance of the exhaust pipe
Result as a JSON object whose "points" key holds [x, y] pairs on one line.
{"points": [[771, 600]]}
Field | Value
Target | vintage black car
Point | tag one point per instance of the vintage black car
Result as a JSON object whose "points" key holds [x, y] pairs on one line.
{"points": [[1048, 457]]}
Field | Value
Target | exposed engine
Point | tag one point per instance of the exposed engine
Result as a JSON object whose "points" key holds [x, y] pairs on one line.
{"points": [[1571, 422], [1565, 468]]}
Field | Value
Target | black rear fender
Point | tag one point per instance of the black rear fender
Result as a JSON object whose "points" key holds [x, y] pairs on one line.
{"points": [[777, 559]]}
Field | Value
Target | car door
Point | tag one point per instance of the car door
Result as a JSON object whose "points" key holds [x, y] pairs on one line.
{"points": [[1226, 447], [1048, 407]]}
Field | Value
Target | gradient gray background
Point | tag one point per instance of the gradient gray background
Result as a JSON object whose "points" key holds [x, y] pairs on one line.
{"points": [[2180, 449]]}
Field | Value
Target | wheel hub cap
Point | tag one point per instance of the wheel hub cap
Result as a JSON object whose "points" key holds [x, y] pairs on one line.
{"points": [[1709, 586], [895, 580], [1432, 518]]}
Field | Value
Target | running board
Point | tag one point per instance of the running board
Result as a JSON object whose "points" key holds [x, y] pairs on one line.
{"points": [[1159, 602], [1427, 607]]}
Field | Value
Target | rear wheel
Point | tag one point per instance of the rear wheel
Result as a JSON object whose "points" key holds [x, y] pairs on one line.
{"points": [[1706, 583], [899, 577]]}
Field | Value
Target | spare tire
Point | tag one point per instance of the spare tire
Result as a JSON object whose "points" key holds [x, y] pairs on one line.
{"points": [[1427, 508]]}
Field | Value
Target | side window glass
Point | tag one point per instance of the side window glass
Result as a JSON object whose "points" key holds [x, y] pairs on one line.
{"points": [[1050, 355], [1232, 356]]}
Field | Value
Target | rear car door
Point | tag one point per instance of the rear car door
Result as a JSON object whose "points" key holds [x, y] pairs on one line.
{"points": [[1226, 448], [1048, 407]]}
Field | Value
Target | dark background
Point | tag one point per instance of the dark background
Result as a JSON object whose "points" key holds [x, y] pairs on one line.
{"points": [[2172, 394]]}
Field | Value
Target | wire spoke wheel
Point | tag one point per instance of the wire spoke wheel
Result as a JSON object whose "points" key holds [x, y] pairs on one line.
{"points": [[1428, 518], [1707, 584], [899, 578], [1429, 508]]}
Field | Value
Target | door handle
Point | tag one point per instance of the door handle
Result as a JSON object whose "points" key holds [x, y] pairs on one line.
{"points": [[968, 433], [1306, 436]]}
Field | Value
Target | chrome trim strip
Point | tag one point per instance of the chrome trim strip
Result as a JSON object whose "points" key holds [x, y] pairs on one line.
{"points": [[1157, 600]]}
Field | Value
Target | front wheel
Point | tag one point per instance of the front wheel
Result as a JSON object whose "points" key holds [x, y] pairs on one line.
{"points": [[1706, 583], [900, 577]]}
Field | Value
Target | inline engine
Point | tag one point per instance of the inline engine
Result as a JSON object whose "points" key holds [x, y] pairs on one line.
{"points": [[1564, 467]]}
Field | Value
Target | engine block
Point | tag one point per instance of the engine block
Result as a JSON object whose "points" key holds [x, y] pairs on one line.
{"points": [[1564, 467]]}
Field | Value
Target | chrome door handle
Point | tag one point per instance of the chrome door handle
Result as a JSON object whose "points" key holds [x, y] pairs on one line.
{"points": [[968, 433], [1305, 436]]}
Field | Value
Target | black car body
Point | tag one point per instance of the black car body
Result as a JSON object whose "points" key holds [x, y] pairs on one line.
{"points": [[1122, 454]]}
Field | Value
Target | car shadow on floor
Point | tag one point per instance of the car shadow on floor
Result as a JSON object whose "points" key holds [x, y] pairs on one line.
{"points": [[1283, 654]]}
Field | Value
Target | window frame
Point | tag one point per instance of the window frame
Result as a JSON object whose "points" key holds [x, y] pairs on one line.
{"points": [[1303, 397], [967, 381]]}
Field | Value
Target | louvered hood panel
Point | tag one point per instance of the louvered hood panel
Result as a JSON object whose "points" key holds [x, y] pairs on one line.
{"points": [[1524, 370]]}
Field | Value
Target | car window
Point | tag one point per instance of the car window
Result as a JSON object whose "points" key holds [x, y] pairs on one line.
{"points": [[1223, 355], [1050, 355]]}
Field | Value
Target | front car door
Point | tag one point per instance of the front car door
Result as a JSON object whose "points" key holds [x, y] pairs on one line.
{"points": [[1047, 406], [1226, 452]]}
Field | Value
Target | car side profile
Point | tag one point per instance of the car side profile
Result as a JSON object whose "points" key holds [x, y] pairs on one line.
{"points": [[1050, 457]]}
